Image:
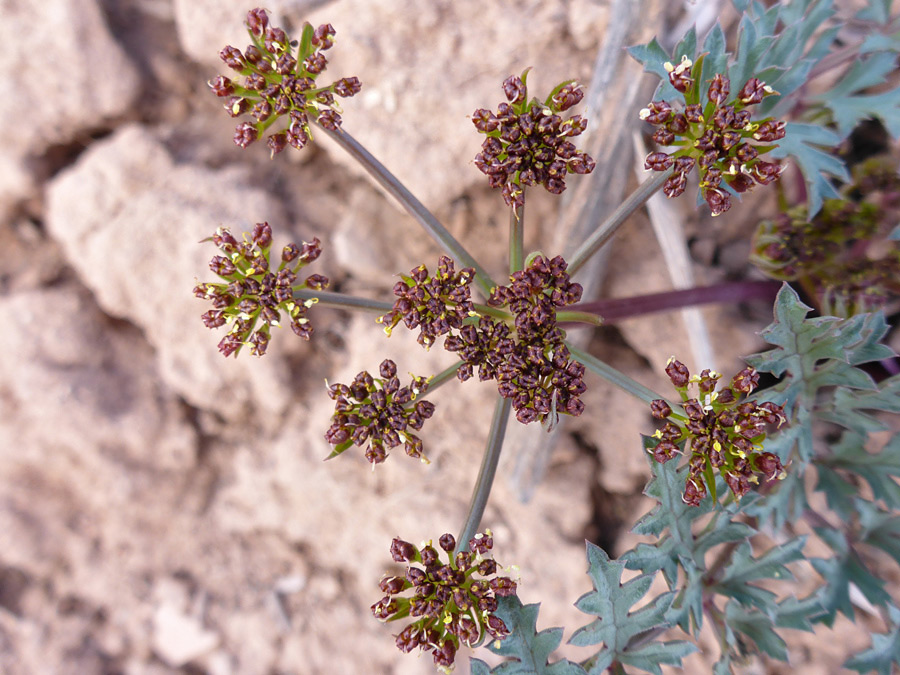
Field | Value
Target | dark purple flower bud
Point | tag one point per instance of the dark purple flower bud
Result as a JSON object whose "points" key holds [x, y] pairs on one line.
{"points": [[684, 164], [765, 172], [213, 318], [315, 63], [694, 113], [657, 112], [694, 491], [769, 465], [581, 163], [245, 134], [663, 136], [568, 96], [745, 381], [484, 120], [347, 86], [678, 373], [447, 542], [658, 161], [403, 551], [664, 451], [769, 131], [232, 57], [222, 266], [719, 201], [660, 409], [257, 21], [752, 92], [222, 86], [719, 89], [514, 89], [674, 185], [329, 119], [323, 36]]}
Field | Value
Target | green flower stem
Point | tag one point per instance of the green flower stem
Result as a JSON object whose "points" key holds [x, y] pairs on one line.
{"points": [[517, 238], [608, 228], [485, 474], [340, 300], [580, 317], [614, 376], [496, 312], [443, 377], [413, 206]]}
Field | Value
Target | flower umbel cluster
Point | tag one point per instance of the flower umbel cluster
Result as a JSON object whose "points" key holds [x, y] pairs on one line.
{"points": [[720, 137], [528, 141], [379, 412], [725, 435], [280, 83], [844, 254], [534, 370], [433, 304], [452, 603], [252, 291]]}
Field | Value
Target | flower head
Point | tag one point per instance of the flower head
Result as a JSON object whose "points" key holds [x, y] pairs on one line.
{"points": [[844, 253], [452, 603], [725, 433], [279, 83], [528, 142], [719, 136], [378, 413], [253, 291], [435, 304]]}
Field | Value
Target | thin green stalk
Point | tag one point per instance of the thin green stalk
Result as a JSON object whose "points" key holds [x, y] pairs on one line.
{"points": [[608, 228], [413, 206], [614, 376], [496, 312], [588, 318], [516, 238], [329, 299], [443, 377], [485, 474]]}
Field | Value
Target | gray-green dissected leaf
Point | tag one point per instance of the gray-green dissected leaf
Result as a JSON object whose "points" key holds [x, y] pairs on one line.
{"points": [[849, 106], [616, 627], [879, 528], [878, 469], [755, 625], [672, 516], [744, 568], [884, 654], [527, 649], [839, 572], [877, 10], [808, 145], [815, 353]]}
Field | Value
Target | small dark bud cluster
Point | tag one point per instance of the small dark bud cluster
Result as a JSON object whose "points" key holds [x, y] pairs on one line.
{"points": [[719, 136], [528, 142], [280, 83], [452, 603], [526, 355], [534, 370], [252, 290], [376, 412], [725, 433], [845, 252], [434, 304]]}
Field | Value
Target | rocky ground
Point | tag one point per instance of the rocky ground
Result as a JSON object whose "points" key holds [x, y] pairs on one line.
{"points": [[164, 510]]}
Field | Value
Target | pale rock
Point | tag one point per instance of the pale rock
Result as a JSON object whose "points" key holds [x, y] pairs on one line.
{"points": [[69, 54], [131, 220], [178, 638]]}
